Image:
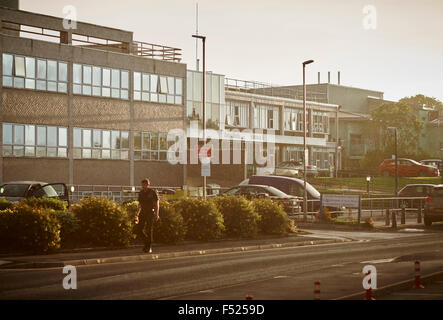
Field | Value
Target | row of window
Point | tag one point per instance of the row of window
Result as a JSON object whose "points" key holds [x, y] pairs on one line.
{"points": [[31, 73], [151, 87], [50, 75], [98, 81], [22, 140]]}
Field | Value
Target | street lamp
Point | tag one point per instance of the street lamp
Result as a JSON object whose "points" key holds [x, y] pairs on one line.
{"points": [[305, 200], [396, 160], [368, 180], [203, 38]]}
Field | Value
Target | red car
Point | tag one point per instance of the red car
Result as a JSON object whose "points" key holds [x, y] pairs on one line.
{"points": [[407, 168]]}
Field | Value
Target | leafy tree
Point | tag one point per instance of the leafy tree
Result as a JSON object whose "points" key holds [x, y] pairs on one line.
{"points": [[401, 116], [421, 100]]}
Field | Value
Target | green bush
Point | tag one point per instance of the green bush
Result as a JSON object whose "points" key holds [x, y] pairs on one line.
{"points": [[240, 218], [202, 219], [102, 222], [26, 228], [170, 229], [48, 203], [5, 204], [69, 224], [273, 219]]}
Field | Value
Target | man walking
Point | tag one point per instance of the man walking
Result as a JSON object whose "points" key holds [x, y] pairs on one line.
{"points": [[148, 208]]}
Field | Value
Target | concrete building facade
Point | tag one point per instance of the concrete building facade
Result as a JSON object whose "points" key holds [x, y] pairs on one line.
{"points": [[86, 106]]}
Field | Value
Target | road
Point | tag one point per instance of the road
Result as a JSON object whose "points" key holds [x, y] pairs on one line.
{"points": [[279, 273]]}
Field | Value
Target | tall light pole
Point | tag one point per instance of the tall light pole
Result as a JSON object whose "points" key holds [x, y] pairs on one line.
{"points": [[305, 195], [203, 38], [396, 160]]}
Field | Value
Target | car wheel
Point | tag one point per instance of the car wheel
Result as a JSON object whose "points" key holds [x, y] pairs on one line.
{"points": [[428, 222], [385, 173]]}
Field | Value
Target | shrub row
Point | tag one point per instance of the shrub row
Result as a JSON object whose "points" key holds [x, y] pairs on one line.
{"points": [[42, 225]]}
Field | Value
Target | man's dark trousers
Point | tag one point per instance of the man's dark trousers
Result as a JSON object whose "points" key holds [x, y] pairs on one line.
{"points": [[147, 225]]}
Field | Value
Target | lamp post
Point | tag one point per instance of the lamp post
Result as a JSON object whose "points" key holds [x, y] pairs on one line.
{"points": [[368, 180], [305, 200], [203, 38], [396, 160]]}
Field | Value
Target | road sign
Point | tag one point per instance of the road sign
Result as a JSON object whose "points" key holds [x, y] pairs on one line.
{"points": [[338, 200], [206, 168]]}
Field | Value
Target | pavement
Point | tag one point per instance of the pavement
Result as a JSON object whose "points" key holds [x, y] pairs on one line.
{"points": [[90, 256]]}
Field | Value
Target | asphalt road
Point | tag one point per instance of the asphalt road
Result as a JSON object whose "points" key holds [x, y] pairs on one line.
{"points": [[279, 273]]}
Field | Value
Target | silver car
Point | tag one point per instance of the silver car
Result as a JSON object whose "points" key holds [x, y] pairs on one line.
{"points": [[295, 169]]}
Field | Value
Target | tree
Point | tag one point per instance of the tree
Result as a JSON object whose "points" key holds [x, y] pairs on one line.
{"points": [[401, 116], [422, 101]]}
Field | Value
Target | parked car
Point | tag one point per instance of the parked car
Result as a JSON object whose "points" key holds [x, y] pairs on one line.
{"points": [[437, 163], [415, 190], [18, 190], [407, 168], [434, 206], [290, 186], [250, 191], [294, 169]]}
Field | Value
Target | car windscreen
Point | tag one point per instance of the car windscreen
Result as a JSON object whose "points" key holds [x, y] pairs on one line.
{"points": [[46, 191], [275, 192], [13, 190]]}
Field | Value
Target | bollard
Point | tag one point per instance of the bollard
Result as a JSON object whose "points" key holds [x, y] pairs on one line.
{"points": [[248, 297], [417, 284], [317, 290], [394, 220], [369, 290], [403, 214], [369, 294], [388, 220], [419, 213]]}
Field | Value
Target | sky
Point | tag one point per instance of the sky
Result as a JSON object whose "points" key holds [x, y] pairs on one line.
{"points": [[393, 46]]}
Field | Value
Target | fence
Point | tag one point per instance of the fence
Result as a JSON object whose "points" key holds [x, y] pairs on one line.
{"points": [[379, 209], [116, 193]]}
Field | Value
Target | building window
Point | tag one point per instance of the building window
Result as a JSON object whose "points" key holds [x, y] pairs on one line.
{"points": [[101, 144], [98, 81], [237, 114], [320, 122], [154, 88], [293, 119], [23, 140], [151, 146], [266, 117], [31, 73]]}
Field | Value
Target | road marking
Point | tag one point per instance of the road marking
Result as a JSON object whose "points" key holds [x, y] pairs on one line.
{"points": [[379, 261], [281, 277]]}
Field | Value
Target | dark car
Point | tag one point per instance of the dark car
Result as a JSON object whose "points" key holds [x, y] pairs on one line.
{"points": [[434, 206], [291, 186], [250, 191], [415, 190], [407, 168], [17, 190]]}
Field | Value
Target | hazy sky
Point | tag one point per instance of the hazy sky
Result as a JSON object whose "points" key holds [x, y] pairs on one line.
{"points": [[267, 41]]}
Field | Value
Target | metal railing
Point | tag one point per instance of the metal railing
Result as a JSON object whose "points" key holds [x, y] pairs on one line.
{"points": [[113, 192]]}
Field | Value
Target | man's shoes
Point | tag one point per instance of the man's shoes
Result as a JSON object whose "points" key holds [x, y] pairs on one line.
{"points": [[147, 250]]}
